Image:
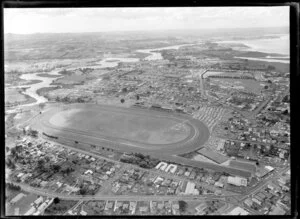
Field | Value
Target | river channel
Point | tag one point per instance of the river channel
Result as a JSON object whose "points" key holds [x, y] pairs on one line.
{"points": [[104, 63]]}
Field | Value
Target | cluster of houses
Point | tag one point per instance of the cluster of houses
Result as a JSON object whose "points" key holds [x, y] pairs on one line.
{"points": [[90, 171], [191, 186], [116, 207], [274, 141], [270, 200], [135, 181]]}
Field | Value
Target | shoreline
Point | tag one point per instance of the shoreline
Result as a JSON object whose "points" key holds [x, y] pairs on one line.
{"points": [[264, 60], [46, 75], [28, 100]]}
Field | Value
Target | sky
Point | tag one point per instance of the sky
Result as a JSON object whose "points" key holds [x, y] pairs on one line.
{"points": [[70, 20]]}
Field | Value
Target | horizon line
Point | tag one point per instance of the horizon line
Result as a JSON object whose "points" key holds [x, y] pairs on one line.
{"points": [[155, 30]]}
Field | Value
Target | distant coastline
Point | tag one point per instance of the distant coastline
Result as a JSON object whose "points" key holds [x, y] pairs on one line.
{"points": [[279, 44]]}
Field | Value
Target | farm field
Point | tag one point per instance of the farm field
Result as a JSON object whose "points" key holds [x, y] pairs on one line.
{"points": [[73, 79]]}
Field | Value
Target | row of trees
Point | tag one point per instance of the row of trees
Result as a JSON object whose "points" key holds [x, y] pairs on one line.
{"points": [[13, 187], [72, 100], [144, 161]]}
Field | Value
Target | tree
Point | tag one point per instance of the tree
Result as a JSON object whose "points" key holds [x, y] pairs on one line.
{"points": [[10, 164], [56, 200], [47, 159], [33, 133], [41, 164], [122, 100], [270, 67], [182, 206], [68, 170], [13, 187], [80, 100], [285, 112], [13, 151], [106, 77], [55, 168], [82, 191], [19, 148]]}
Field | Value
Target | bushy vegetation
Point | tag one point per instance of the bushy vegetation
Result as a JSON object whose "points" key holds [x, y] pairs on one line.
{"points": [[13, 187], [182, 206], [59, 207], [33, 133], [10, 164], [144, 161]]}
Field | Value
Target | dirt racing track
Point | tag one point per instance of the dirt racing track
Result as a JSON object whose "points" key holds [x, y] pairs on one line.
{"points": [[125, 129]]}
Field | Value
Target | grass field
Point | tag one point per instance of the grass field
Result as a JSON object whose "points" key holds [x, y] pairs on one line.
{"points": [[152, 130], [246, 85], [72, 79], [13, 96]]}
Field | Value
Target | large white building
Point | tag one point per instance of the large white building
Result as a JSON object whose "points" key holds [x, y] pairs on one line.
{"points": [[172, 168], [237, 181], [238, 211], [162, 166], [190, 189]]}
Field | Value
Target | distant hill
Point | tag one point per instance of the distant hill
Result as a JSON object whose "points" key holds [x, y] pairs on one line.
{"points": [[93, 45]]}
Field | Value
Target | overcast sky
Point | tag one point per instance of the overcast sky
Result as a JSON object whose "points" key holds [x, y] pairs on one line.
{"points": [[58, 20]]}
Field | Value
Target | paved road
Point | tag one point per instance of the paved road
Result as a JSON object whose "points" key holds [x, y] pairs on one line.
{"points": [[43, 192], [261, 106], [202, 87]]}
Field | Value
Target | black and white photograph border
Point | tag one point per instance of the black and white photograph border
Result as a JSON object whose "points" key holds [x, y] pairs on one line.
{"points": [[146, 109]]}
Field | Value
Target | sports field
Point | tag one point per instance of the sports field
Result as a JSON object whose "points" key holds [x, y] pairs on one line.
{"points": [[125, 128], [139, 128]]}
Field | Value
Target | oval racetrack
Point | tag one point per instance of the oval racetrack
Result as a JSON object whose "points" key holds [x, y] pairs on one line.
{"points": [[126, 129]]}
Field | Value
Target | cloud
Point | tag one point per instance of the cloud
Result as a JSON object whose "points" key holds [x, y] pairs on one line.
{"points": [[30, 20]]}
